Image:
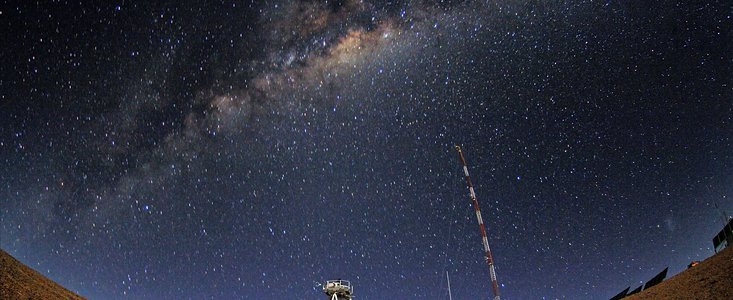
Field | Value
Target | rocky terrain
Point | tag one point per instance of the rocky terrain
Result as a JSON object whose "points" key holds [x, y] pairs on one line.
{"points": [[18, 281], [711, 279]]}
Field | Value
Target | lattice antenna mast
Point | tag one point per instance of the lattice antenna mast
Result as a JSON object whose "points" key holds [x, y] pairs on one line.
{"points": [[489, 257]]}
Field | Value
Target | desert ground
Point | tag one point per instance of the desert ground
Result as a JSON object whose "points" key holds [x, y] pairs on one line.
{"points": [[711, 279], [18, 281]]}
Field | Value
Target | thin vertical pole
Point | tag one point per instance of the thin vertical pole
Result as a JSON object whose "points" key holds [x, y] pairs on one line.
{"points": [[450, 297], [485, 240]]}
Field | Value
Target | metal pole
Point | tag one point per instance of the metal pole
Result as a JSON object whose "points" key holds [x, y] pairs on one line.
{"points": [[450, 297], [485, 240]]}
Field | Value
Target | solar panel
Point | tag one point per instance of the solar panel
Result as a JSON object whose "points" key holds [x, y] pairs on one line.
{"points": [[621, 295], [724, 237], [656, 279], [636, 290]]}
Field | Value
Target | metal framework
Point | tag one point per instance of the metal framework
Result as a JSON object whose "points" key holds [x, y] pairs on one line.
{"points": [[338, 290], [489, 257]]}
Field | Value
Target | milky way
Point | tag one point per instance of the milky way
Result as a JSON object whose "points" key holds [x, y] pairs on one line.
{"points": [[253, 150]]}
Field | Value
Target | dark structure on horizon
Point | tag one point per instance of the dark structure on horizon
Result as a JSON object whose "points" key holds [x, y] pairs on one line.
{"points": [[635, 291], [652, 282], [724, 237], [621, 295], [722, 240], [656, 279]]}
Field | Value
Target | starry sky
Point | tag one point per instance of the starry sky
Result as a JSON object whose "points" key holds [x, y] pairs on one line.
{"points": [[253, 149]]}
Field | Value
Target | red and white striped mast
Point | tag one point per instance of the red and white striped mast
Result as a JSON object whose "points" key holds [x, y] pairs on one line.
{"points": [[489, 257]]}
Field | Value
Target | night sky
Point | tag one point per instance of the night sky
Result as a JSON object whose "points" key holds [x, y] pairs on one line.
{"points": [[250, 150]]}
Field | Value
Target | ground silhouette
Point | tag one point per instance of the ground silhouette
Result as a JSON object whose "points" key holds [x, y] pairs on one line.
{"points": [[18, 281], [711, 279]]}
